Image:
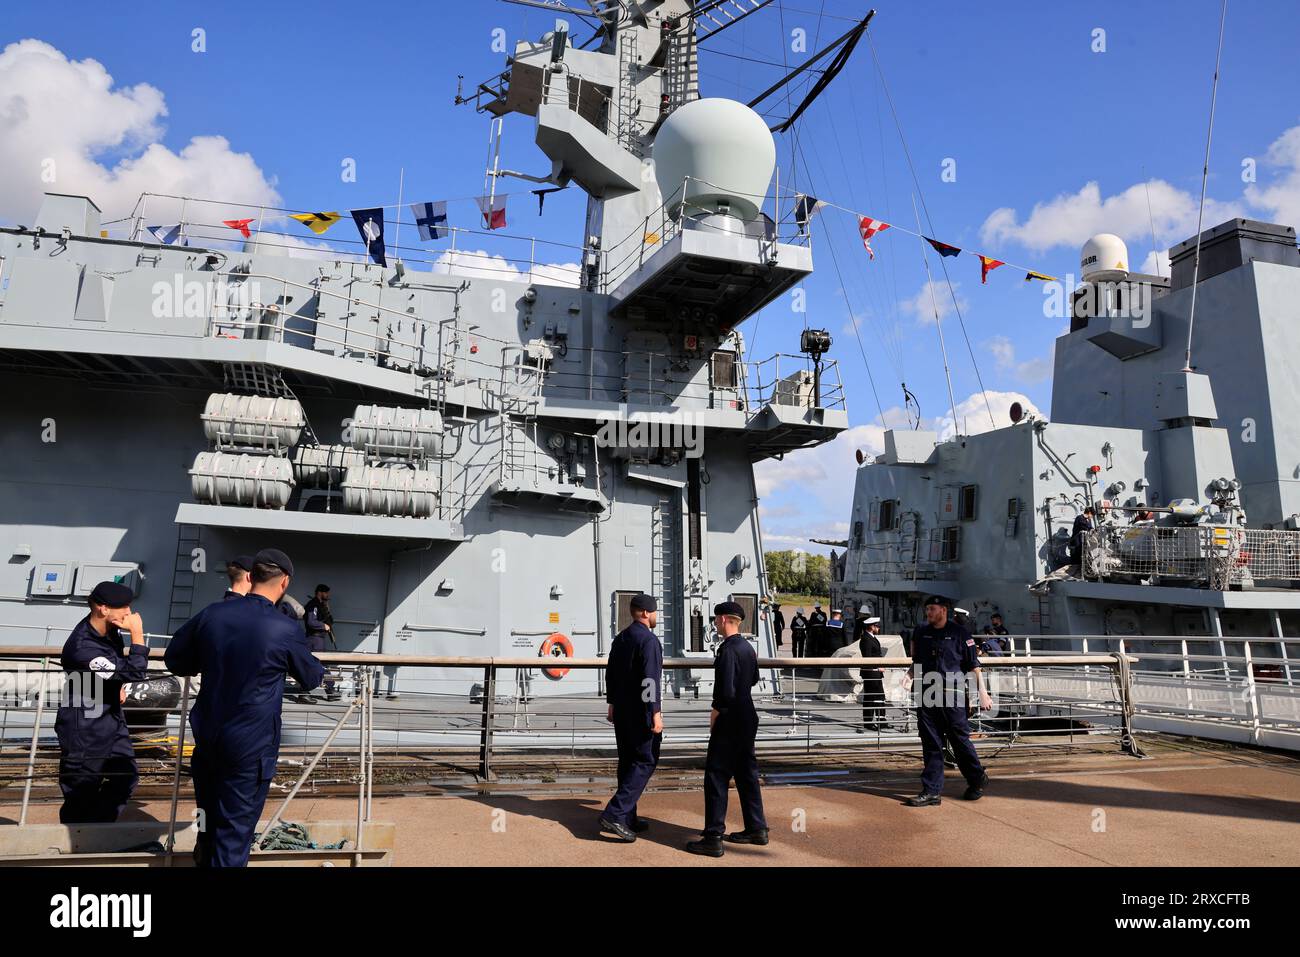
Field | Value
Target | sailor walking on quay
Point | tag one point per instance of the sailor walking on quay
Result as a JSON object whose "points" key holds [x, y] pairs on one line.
{"points": [[237, 570], [634, 686], [243, 649], [945, 655], [733, 725], [97, 770]]}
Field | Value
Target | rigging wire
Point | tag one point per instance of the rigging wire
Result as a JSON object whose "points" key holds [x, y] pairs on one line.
{"points": [[938, 323], [921, 194], [856, 333]]}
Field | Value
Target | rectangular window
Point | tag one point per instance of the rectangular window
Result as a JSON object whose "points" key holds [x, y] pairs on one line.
{"points": [[950, 544], [888, 520], [750, 605], [966, 503]]}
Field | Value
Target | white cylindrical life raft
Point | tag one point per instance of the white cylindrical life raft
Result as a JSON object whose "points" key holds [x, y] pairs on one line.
{"points": [[228, 478], [257, 421], [378, 490], [387, 430]]}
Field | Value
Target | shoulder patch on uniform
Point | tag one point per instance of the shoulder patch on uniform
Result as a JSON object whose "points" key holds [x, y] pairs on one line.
{"points": [[970, 641], [103, 665]]}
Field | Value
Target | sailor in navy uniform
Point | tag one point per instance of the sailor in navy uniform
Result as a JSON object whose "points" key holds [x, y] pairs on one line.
{"points": [[243, 649], [97, 771], [733, 725], [634, 679], [873, 679], [238, 569], [943, 655]]}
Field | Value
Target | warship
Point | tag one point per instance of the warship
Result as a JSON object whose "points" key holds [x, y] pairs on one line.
{"points": [[1176, 433], [483, 458]]}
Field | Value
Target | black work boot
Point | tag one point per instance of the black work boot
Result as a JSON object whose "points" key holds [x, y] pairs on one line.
{"points": [[924, 799], [976, 791], [710, 845], [757, 836]]}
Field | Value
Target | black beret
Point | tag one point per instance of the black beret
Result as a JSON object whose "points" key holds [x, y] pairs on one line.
{"points": [[273, 556], [939, 600], [644, 602], [322, 587], [242, 561], [729, 608], [112, 594]]}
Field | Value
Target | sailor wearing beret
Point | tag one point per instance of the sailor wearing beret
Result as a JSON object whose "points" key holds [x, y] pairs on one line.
{"points": [[243, 649], [634, 690], [97, 770], [733, 725]]}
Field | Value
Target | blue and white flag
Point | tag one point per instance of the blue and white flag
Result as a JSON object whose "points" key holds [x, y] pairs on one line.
{"points": [[166, 234], [370, 223], [431, 220]]}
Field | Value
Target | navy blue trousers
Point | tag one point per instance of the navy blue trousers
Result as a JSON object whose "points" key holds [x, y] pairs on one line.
{"points": [[731, 755], [232, 798], [95, 789], [935, 724], [638, 756]]}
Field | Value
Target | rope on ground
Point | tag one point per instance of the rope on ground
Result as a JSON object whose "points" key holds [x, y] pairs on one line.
{"points": [[287, 836]]}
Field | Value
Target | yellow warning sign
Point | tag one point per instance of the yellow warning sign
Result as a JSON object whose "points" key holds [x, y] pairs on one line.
{"points": [[554, 617]]}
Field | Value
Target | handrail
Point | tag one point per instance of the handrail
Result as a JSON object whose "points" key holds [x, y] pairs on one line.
{"points": [[705, 661]]}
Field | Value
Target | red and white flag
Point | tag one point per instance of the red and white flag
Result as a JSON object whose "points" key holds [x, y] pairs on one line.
{"points": [[493, 210], [868, 227]]}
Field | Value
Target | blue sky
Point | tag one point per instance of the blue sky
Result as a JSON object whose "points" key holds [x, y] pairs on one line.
{"points": [[1013, 93]]}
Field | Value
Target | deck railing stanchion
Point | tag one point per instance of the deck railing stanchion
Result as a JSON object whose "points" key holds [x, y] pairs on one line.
{"points": [[36, 733], [176, 778], [485, 739]]}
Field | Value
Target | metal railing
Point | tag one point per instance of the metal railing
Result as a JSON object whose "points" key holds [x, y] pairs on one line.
{"points": [[200, 221], [502, 721], [624, 257], [1234, 688], [1214, 556]]}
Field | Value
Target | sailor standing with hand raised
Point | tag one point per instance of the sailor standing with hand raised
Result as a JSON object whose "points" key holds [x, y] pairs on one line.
{"points": [[733, 725], [97, 770]]}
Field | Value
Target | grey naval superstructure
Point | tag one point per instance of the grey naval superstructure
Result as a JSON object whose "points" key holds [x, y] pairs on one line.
{"points": [[478, 464], [1192, 469]]}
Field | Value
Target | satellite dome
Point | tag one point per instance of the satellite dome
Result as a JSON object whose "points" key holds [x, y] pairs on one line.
{"points": [[1104, 259], [727, 151]]}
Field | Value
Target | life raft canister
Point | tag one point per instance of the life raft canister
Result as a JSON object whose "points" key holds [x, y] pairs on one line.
{"points": [[556, 646]]}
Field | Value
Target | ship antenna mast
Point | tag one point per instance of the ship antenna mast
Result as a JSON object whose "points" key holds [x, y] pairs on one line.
{"points": [[1205, 174]]}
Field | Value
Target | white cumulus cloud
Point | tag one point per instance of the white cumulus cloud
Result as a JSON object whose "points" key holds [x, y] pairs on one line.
{"points": [[934, 295], [481, 264], [66, 127]]}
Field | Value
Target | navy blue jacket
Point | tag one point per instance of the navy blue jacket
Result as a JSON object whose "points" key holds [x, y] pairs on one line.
{"points": [[243, 649], [636, 662], [735, 671], [90, 722], [948, 650]]}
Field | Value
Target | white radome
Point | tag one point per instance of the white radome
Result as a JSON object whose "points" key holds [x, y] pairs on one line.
{"points": [[727, 151], [1104, 259]]}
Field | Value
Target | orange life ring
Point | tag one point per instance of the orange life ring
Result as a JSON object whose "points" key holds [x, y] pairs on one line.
{"points": [[556, 646]]}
